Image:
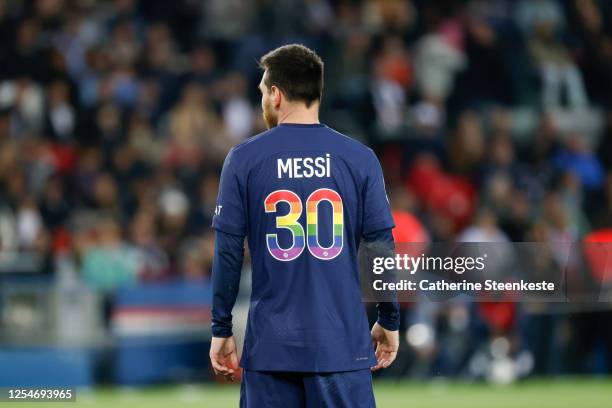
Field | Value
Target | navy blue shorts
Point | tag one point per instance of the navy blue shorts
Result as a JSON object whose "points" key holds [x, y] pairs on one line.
{"points": [[352, 389]]}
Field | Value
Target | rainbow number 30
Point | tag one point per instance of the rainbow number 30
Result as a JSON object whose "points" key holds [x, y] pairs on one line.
{"points": [[290, 222]]}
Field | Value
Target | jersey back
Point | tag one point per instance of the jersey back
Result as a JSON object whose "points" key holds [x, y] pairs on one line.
{"points": [[304, 196]]}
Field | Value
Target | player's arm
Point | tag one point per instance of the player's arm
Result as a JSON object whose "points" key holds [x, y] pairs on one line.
{"points": [[381, 244], [227, 266], [385, 332], [377, 226], [229, 222]]}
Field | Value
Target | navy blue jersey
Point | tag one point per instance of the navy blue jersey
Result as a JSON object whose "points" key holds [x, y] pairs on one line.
{"points": [[304, 196]]}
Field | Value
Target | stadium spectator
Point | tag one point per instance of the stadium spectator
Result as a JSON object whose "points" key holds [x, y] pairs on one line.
{"points": [[110, 262]]}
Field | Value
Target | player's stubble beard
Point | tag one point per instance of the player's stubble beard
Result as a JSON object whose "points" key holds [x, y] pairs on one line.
{"points": [[268, 114]]}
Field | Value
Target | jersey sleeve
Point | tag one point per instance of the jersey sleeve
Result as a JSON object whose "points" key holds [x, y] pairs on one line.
{"points": [[227, 265], [230, 212], [376, 209]]}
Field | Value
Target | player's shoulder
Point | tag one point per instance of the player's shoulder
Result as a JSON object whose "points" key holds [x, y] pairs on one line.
{"points": [[250, 143], [356, 155], [242, 155], [351, 145]]}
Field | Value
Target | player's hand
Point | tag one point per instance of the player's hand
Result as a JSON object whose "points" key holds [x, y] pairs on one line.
{"points": [[386, 343], [224, 357]]}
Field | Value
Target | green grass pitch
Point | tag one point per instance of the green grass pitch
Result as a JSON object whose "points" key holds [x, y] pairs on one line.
{"points": [[562, 393]]}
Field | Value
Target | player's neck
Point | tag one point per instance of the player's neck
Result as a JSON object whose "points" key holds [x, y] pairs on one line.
{"points": [[300, 114]]}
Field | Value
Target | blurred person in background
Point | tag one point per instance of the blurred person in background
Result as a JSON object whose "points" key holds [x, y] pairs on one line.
{"points": [[153, 260], [393, 77], [195, 131], [590, 26], [466, 147], [541, 20], [237, 112], [196, 255], [109, 262]]}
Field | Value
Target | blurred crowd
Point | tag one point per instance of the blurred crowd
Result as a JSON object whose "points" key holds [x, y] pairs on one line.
{"points": [[115, 118]]}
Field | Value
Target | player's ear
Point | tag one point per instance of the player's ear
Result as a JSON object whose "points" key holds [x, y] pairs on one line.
{"points": [[276, 96]]}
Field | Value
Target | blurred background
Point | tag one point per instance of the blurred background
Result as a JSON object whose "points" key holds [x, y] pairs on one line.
{"points": [[492, 120]]}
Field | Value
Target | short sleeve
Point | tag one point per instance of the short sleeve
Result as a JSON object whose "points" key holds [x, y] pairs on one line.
{"points": [[230, 210], [376, 209]]}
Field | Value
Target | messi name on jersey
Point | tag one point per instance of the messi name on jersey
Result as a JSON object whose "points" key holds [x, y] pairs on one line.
{"points": [[304, 167]]}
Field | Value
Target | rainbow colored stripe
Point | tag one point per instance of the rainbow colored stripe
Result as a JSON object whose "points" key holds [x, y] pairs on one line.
{"points": [[315, 248], [289, 221]]}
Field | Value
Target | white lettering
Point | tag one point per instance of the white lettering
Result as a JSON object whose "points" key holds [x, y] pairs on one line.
{"points": [[320, 164], [297, 167], [308, 170], [284, 168], [304, 167]]}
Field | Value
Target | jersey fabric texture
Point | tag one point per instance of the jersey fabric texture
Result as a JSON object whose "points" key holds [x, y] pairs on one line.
{"points": [[304, 196]]}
